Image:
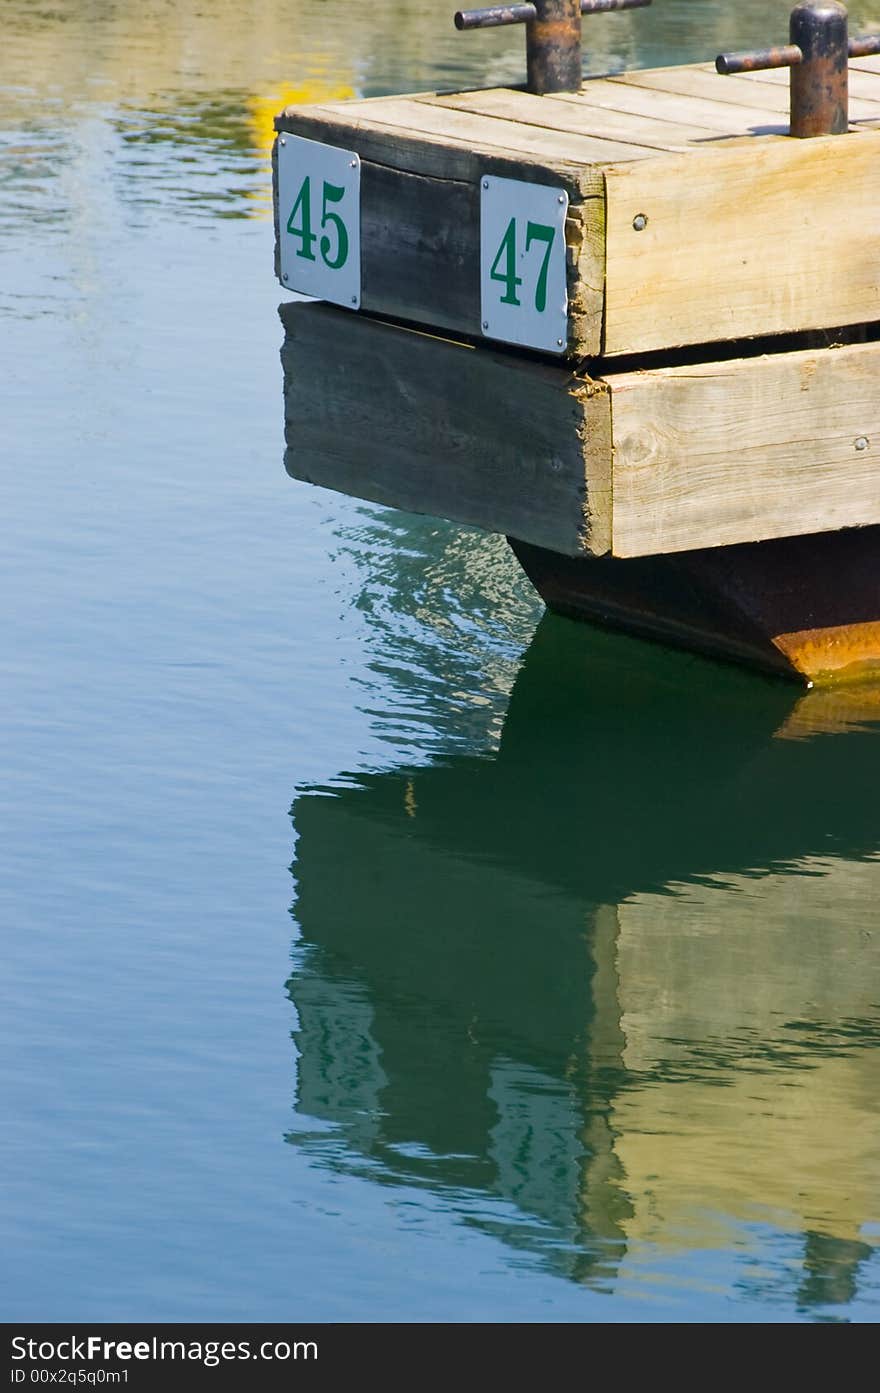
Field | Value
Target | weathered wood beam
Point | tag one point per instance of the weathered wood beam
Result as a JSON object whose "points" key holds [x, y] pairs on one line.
{"points": [[498, 440], [698, 455], [766, 238], [711, 454]]}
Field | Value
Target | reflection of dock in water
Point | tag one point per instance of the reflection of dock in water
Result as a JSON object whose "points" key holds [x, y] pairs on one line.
{"points": [[623, 976]]}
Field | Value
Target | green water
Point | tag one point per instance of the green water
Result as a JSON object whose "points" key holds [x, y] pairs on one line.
{"points": [[374, 946]]}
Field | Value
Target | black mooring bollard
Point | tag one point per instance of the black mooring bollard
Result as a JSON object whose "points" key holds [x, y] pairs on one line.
{"points": [[818, 55], [553, 36], [553, 47], [820, 82]]}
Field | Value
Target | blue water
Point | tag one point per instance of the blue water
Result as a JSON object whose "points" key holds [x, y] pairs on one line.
{"points": [[374, 947]]}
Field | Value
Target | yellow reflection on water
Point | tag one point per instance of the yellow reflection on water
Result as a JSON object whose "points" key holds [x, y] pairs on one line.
{"points": [[261, 113], [833, 711], [264, 108]]}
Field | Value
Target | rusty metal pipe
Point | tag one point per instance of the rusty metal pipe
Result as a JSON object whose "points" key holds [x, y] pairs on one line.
{"points": [[553, 36], [785, 57], [864, 48], [820, 82], [598, 7], [496, 15]]}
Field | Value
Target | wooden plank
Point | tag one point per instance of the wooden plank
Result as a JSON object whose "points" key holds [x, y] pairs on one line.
{"points": [[500, 441], [423, 138], [705, 83], [620, 95], [865, 65], [863, 87], [554, 115], [405, 216], [740, 451], [487, 132], [774, 237], [750, 90]]}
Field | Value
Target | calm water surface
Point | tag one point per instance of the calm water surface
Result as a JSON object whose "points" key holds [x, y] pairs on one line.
{"points": [[373, 946]]}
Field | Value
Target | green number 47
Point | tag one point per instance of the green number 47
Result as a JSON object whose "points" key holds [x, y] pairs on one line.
{"points": [[504, 265]]}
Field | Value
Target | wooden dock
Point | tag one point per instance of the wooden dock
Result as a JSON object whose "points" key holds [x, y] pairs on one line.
{"points": [[712, 378], [738, 217], [585, 460]]}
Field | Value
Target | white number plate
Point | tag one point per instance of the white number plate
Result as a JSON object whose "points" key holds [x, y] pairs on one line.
{"points": [[319, 217], [523, 290]]}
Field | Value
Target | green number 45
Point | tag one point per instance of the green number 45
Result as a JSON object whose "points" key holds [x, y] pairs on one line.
{"points": [[307, 238], [504, 265]]}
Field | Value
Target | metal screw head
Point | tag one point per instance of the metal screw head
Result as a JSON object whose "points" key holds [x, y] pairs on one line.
{"points": [[485, 183], [640, 222], [282, 141], [485, 323], [284, 275], [561, 198], [354, 299], [560, 343], [353, 164], [862, 442]]}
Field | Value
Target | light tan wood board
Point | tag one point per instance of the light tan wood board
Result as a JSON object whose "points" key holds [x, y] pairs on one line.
{"points": [[767, 239], [741, 451], [768, 89]]}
